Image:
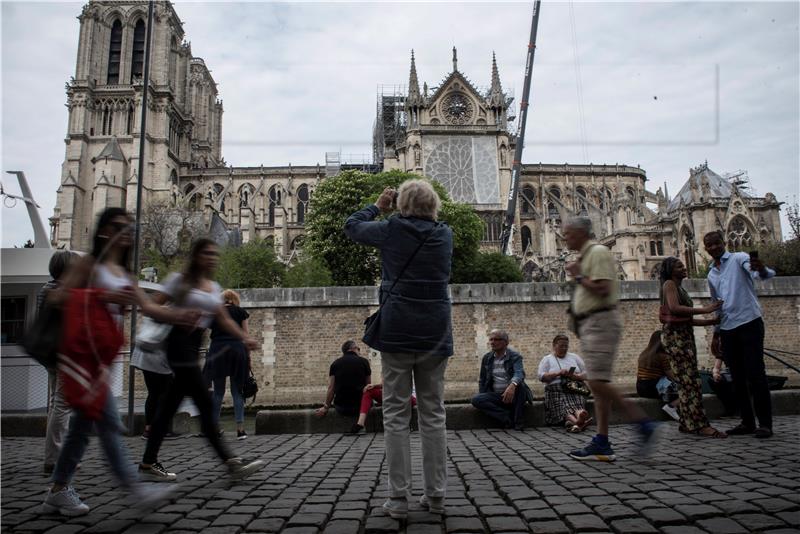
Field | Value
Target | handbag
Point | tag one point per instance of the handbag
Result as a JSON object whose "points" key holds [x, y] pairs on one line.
{"points": [[151, 333], [250, 387], [372, 323], [43, 338], [572, 386]]}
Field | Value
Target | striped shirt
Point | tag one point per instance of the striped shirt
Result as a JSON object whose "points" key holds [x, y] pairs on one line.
{"points": [[499, 376]]}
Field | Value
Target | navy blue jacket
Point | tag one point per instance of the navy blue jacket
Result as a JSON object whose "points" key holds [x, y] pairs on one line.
{"points": [[416, 316], [514, 371]]}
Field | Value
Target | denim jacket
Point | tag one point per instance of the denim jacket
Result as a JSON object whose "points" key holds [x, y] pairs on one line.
{"points": [[514, 370]]}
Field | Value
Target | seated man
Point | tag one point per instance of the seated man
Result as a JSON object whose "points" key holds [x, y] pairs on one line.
{"points": [[347, 377], [654, 378], [502, 389]]}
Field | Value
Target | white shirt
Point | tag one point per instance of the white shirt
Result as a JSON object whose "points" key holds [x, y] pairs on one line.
{"points": [[206, 301], [552, 363]]}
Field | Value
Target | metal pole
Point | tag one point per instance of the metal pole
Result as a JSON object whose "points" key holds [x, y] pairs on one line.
{"points": [[139, 183], [516, 169]]}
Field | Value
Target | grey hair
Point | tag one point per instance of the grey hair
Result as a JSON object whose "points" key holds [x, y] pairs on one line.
{"points": [[500, 333], [417, 198], [580, 223]]}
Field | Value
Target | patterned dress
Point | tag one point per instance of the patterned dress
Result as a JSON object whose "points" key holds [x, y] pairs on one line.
{"points": [[678, 342]]}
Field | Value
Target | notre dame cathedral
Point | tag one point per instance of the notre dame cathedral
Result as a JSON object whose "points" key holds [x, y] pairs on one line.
{"points": [[456, 133]]}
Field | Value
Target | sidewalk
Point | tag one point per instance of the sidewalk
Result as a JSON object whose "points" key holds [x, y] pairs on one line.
{"points": [[499, 482]]}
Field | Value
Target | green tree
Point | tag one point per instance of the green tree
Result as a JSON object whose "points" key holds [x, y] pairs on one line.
{"points": [[336, 199], [783, 257], [486, 268], [308, 272], [253, 264]]}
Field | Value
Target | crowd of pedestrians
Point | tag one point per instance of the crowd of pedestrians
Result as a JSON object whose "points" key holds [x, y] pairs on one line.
{"points": [[412, 329]]}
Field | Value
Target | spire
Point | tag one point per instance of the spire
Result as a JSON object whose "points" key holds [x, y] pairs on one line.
{"points": [[413, 82], [496, 90], [455, 60], [666, 191]]}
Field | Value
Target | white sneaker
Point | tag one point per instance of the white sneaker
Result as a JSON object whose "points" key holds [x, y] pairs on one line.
{"points": [[65, 502], [396, 508], [239, 470], [435, 505], [156, 473], [671, 411]]}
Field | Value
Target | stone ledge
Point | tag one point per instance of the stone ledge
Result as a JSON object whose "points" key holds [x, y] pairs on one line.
{"points": [[487, 293], [465, 417], [35, 425]]}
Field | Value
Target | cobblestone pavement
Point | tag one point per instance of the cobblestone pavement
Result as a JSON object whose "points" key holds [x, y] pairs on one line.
{"points": [[498, 481]]}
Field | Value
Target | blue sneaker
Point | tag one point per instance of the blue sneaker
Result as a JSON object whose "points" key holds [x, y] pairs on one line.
{"points": [[594, 452], [648, 433]]}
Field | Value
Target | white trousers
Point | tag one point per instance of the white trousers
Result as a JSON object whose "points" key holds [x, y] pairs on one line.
{"points": [[427, 372]]}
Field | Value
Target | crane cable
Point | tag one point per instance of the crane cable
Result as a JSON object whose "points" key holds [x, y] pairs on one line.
{"points": [[578, 83]]}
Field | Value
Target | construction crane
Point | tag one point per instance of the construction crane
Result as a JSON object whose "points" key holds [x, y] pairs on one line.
{"points": [[506, 244]]}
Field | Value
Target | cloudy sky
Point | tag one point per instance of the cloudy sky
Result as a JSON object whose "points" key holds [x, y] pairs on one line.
{"points": [[662, 85]]}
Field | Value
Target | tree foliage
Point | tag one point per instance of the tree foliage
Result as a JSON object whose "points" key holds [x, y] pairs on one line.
{"points": [[253, 264], [308, 272], [783, 257], [486, 268], [167, 234], [336, 199]]}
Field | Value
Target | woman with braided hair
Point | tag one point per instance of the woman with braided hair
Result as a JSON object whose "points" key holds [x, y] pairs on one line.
{"points": [[677, 338]]}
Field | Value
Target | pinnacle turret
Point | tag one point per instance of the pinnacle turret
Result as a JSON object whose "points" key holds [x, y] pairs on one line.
{"points": [[496, 98], [413, 82]]}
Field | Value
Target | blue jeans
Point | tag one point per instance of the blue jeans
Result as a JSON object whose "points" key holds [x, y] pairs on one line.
{"points": [[108, 429], [238, 400], [492, 404]]}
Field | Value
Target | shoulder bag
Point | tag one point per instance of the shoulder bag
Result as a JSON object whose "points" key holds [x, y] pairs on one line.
{"points": [[572, 386]]}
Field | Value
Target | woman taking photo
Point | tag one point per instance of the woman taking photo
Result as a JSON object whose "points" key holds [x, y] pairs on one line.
{"points": [[677, 339], [194, 289], [106, 268]]}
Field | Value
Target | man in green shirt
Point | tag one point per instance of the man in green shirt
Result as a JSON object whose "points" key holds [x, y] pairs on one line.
{"points": [[599, 326]]}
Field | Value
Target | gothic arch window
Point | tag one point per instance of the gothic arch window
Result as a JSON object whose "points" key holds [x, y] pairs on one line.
{"points": [[245, 195], [114, 53], [740, 234], [492, 227], [528, 200], [274, 197], [302, 203], [297, 242], [605, 199], [137, 57], [130, 117], [192, 197], [552, 208], [173, 59], [630, 192], [527, 239], [269, 241], [173, 177], [580, 191]]}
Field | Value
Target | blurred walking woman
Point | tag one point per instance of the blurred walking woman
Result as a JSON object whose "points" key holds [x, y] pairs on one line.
{"points": [[227, 357], [106, 268], [413, 332], [677, 339], [194, 289]]}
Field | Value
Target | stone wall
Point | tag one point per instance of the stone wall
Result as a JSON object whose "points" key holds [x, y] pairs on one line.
{"points": [[301, 330]]}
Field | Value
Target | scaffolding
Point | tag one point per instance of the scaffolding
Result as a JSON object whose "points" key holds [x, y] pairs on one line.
{"points": [[390, 120]]}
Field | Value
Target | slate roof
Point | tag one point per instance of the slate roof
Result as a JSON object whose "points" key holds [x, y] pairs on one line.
{"points": [[718, 186]]}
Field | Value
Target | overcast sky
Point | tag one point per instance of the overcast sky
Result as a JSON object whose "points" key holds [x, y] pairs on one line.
{"points": [[662, 85]]}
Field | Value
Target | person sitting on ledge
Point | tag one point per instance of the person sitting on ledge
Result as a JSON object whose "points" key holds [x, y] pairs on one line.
{"points": [[654, 378], [347, 377], [372, 392], [502, 391], [563, 407]]}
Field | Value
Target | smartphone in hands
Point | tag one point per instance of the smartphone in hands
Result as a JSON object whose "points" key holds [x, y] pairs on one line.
{"points": [[572, 370]]}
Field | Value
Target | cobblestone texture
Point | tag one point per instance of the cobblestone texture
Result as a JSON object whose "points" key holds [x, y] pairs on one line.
{"points": [[499, 481]]}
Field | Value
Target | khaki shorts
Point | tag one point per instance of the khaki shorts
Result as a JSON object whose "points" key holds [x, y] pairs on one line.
{"points": [[600, 334]]}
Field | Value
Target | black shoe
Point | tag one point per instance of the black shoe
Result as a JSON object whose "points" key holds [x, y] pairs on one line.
{"points": [[740, 430], [202, 435], [356, 429], [171, 435], [519, 428], [241, 435], [763, 432]]}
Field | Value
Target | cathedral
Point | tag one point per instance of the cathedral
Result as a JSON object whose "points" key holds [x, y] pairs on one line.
{"points": [[455, 132]]}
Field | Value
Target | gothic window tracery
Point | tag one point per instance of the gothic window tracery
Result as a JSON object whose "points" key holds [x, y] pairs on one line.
{"points": [[245, 194], [302, 203], [137, 57], [492, 227], [173, 59], [192, 197], [552, 209], [274, 196], [580, 191], [528, 201], [114, 53], [740, 235], [527, 239]]}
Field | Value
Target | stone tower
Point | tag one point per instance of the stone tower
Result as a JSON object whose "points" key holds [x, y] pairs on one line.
{"points": [[184, 121]]}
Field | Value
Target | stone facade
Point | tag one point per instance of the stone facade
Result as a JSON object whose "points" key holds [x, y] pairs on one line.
{"points": [[456, 133], [301, 331]]}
